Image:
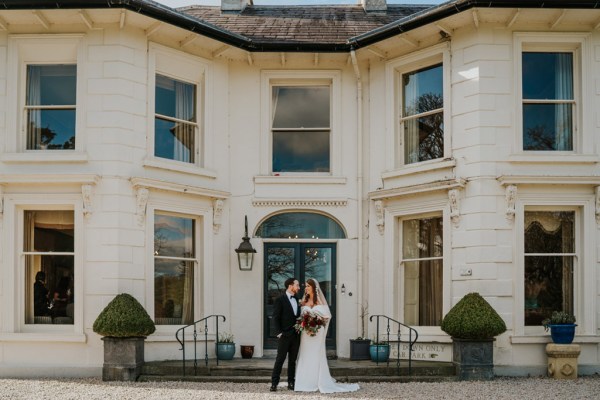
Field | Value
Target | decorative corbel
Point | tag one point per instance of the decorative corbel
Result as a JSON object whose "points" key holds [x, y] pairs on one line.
{"points": [[454, 206], [511, 197], [379, 216], [597, 204], [86, 192], [141, 201], [217, 212]]}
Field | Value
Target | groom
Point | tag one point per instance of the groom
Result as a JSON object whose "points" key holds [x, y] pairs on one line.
{"points": [[285, 311]]}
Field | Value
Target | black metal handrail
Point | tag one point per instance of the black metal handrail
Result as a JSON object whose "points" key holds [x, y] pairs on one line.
{"points": [[182, 340], [410, 341]]}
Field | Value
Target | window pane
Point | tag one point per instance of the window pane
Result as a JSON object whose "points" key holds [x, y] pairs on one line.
{"points": [[173, 292], [317, 265], [547, 76], [548, 279], [175, 98], [301, 107], [51, 130], [422, 90], [301, 151], [51, 85], [423, 289], [424, 138], [174, 140], [47, 231], [174, 236], [300, 225], [548, 127], [49, 278]]}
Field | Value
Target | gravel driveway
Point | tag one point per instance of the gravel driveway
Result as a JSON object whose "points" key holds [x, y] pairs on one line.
{"points": [[95, 389]]}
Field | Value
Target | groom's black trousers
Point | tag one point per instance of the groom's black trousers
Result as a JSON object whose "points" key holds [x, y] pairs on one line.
{"points": [[286, 346]]}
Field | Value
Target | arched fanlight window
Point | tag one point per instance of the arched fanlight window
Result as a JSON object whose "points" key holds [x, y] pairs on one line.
{"points": [[300, 225]]}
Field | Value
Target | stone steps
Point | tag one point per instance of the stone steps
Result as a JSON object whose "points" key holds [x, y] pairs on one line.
{"points": [[259, 370]]}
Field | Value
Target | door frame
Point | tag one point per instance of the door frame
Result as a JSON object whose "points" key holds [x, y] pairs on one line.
{"points": [[299, 273]]}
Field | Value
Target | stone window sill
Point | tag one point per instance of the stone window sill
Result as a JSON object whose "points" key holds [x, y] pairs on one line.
{"points": [[179, 167], [45, 157]]}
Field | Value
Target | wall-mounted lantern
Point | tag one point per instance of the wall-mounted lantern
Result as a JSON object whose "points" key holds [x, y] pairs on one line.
{"points": [[245, 251]]}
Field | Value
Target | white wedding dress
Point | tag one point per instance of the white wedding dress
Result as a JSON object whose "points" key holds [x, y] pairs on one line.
{"points": [[312, 371]]}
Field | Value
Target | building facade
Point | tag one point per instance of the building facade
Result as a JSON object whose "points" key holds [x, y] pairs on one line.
{"points": [[404, 156]]}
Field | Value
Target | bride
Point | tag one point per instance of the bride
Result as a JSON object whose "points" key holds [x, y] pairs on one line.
{"points": [[312, 371]]}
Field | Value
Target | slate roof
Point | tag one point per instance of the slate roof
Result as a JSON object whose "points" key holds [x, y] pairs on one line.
{"points": [[301, 24]]}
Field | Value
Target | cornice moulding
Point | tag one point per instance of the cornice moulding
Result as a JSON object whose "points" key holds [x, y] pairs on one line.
{"points": [[417, 189], [178, 188], [300, 203], [81, 179]]}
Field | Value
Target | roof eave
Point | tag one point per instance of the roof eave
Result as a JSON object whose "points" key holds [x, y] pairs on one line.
{"points": [[450, 8]]}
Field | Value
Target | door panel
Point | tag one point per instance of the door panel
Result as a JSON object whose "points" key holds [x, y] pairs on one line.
{"points": [[303, 261]]}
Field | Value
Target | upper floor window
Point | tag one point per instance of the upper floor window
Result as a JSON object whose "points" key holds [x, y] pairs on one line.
{"points": [[422, 114], [549, 102], [175, 123], [50, 107], [301, 128]]}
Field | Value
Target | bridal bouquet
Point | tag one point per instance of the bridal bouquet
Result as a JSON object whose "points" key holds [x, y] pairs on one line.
{"points": [[310, 323]]}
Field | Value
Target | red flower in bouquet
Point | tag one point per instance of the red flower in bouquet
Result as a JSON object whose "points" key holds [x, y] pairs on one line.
{"points": [[310, 323]]}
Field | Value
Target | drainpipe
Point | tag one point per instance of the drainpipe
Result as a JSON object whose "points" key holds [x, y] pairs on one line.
{"points": [[359, 183]]}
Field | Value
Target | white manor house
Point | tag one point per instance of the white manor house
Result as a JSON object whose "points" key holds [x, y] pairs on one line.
{"points": [[402, 155]]}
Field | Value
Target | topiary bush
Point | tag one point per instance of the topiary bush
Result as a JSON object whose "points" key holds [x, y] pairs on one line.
{"points": [[473, 318], [124, 316]]}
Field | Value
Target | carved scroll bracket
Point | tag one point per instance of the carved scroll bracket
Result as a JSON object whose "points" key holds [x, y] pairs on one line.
{"points": [[86, 192], [380, 216], [453, 196], [141, 202], [217, 212], [511, 197]]}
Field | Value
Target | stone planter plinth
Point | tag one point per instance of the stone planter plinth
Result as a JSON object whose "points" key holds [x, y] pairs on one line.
{"points": [[562, 360], [474, 359], [123, 358]]}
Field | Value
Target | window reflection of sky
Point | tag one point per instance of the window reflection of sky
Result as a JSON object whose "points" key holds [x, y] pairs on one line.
{"points": [[544, 72], [173, 236], [301, 107], [419, 84]]}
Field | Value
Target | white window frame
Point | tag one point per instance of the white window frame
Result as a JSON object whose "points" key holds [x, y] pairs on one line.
{"points": [[14, 268], [201, 212], [191, 69], [24, 50], [300, 78], [438, 54], [396, 212], [584, 265], [578, 44]]}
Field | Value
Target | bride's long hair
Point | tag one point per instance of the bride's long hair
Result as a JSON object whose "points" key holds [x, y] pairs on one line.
{"points": [[307, 296]]}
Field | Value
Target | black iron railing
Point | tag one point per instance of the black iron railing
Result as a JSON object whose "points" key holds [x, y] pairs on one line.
{"points": [[412, 339], [195, 335]]}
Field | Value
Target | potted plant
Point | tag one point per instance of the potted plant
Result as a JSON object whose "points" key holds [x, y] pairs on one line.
{"points": [[562, 327], [225, 346], [473, 323], [379, 350], [124, 323], [359, 347]]}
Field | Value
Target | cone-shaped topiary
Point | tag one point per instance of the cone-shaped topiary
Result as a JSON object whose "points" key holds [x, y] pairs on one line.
{"points": [[473, 318], [124, 316]]}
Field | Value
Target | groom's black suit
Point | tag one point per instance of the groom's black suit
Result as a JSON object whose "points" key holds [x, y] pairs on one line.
{"points": [[288, 344]]}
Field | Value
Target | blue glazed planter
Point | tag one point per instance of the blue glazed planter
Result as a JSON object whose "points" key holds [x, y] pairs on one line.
{"points": [[562, 333], [379, 352], [226, 351]]}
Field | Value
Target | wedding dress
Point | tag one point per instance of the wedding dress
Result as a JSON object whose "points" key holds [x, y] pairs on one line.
{"points": [[312, 370]]}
